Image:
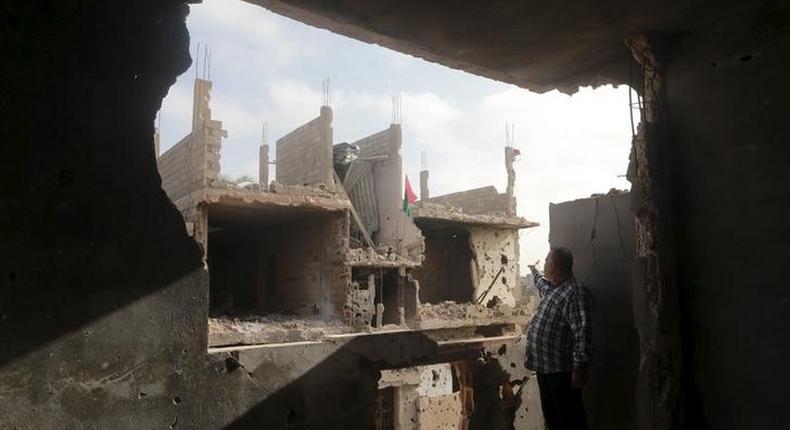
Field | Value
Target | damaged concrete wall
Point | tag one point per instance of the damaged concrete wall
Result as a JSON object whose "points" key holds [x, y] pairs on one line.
{"points": [[424, 398], [600, 233], [495, 249], [463, 262], [304, 156], [359, 308], [477, 201], [440, 411], [505, 392], [726, 136]]}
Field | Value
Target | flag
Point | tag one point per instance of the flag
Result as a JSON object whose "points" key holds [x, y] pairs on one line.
{"points": [[408, 197]]}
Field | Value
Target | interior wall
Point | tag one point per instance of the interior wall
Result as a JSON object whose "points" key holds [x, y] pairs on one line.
{"points": [[726, 89], [289, 268], [605, 266], [391, 297], [233, 264], [446, 273]]}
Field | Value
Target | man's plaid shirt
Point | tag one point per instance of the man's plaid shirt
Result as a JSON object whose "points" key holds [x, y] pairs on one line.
{"points": [[560, 336]]}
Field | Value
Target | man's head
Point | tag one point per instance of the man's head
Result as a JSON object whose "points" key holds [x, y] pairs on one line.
{"points": [[559, 265]]}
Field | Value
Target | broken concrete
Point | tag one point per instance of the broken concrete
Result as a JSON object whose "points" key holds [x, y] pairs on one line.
{"points": [[121, 341], [285, 269]]}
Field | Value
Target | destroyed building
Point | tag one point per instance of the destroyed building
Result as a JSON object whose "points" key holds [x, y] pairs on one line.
{"points": [[104, 296], [325, 252]]}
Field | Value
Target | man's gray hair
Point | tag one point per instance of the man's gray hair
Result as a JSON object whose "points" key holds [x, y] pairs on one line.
{"points": [[563, 260]]}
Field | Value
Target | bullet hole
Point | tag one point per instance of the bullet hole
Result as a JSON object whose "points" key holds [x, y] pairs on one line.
{"points": [[141, 395], [176, 400], [494, 302], [502, 350], [503, 259], [746, 58], [12, 277], [714, 64], [513, 365], [504, 281]]}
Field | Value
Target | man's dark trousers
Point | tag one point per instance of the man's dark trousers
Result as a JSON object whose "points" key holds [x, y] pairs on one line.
{"points": [[561, 403]]}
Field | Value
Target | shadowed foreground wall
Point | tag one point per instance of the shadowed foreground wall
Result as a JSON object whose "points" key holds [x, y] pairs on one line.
{"points": [[103, 297], [728, 133], [604, 264]]}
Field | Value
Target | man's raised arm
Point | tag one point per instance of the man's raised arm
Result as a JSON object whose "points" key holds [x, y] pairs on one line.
{"points": [[540, 282]]}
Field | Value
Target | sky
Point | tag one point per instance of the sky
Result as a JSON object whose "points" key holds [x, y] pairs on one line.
{"points": [[266, 67]]}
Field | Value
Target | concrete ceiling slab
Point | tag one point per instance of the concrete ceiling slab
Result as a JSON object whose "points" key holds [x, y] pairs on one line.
{"points": [[536, 44]]}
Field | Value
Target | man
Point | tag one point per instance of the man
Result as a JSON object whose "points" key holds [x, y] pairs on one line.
{"points": [[559, 341]]}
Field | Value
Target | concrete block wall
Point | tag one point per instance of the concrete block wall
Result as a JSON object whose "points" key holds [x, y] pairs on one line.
{"points": [[192, 163], [476, 201], [174, 167], [304, 156]]}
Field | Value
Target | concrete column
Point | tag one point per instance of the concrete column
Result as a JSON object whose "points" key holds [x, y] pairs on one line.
{"points": [[657, 313], [201, 99], [424, 192], [263, 165], [510, 157], [327, 141]]}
